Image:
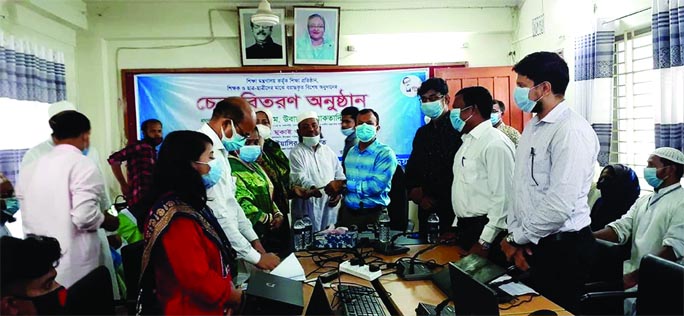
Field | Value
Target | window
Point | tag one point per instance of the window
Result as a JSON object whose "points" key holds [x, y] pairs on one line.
{"points": [[23, 124], [633, 128]]}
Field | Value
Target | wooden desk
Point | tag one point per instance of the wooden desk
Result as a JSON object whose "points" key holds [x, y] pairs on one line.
{"points": [[405, 295]]}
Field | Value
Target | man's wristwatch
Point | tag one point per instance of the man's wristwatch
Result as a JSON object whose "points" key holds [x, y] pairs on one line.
{"points": [[485, 245], [510, 240]]}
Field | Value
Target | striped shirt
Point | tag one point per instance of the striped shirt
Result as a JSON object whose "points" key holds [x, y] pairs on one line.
{"points": [[554, 168], [369, 175]]}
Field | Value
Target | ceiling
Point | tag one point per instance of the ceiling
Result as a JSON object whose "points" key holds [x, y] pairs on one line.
{"points": [[350, 4]]}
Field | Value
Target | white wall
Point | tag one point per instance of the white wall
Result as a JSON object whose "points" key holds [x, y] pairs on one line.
{"points": [[565, 20]]}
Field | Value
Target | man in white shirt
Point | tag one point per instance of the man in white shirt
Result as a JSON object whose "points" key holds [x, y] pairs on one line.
{"points": [[313, 166], [59, 195], [231, 122], [655, 223], [548, 217], [483, 172]]}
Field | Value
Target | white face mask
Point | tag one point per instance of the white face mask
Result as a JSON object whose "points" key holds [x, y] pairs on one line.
{"points": [[311, 141], [264, 131]]}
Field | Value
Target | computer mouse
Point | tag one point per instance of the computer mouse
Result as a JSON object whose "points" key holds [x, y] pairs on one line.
{"points": [[543, 312]]}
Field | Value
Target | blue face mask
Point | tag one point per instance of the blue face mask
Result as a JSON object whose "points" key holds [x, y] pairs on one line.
{"points": [[651, 177], [12, 205], [250, 153], [215, 172], [432, 109], [365, 132], [521, 98], [347, 131], [86, 151], [495, 118], [456, 120], [235, 142]]}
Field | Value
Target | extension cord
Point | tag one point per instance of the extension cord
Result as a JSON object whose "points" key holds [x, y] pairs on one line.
{"points": [[359, 271]]}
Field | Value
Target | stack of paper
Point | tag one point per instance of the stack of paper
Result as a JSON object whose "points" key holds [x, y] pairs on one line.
{"points": [[290, 268], [513, 288]]}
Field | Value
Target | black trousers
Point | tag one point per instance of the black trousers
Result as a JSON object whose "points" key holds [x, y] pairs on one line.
{"points": [[468, 230], [559, 266], [360, 217]]}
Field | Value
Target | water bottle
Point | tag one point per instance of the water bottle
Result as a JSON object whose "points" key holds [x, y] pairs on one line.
{"points": [[308, 231], [299, 228], [432, 228], [384, 227]]}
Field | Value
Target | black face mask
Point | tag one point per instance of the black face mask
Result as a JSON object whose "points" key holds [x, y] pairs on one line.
{"points": [[153, 141], [48, 303]]}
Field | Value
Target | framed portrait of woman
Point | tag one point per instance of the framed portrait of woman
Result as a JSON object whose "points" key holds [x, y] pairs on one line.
{"points": [[262, 45], [316, 35]]}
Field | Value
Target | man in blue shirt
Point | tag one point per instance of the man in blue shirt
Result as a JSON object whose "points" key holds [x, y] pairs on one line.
{"points": [[369, 167]]}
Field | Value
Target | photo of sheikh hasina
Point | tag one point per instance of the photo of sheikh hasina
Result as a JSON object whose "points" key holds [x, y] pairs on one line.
{"points": [[316, 35]]}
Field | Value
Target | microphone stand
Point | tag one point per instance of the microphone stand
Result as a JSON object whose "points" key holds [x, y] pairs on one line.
{"points": [[412, 270]]}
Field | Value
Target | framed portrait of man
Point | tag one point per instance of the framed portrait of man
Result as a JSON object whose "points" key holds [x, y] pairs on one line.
{"points": [[316, 35], [262, 45]]}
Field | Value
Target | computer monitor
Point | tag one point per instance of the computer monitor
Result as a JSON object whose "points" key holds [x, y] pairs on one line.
{"points": [[470, 296], [318, 303]]}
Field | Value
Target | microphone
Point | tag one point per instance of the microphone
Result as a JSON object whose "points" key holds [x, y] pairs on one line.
{"points": [[412, 270]]}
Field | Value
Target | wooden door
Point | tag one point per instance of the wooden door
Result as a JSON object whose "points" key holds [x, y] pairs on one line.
{"points": [[500, 81]]}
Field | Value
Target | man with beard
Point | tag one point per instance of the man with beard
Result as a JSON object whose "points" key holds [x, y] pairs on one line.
{"points": [[264, 47], [139, 157]]}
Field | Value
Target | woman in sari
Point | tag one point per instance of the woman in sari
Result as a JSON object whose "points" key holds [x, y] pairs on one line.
{"points": [[188, 263], [255, 193]]}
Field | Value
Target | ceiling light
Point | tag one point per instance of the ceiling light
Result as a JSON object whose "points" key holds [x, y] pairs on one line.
{"points": [[264, 15]]}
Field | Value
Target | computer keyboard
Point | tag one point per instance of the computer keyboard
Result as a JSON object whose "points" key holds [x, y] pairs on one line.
{"points": [[360, 301]]}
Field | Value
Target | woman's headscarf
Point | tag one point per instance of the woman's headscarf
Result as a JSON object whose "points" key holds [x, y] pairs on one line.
{"points": [[619, 188]]}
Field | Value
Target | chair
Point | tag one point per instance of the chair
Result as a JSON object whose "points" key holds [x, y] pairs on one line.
{"points": [[606, 275], [398, 206], [131, 256], [91, 295], [660, 291]]}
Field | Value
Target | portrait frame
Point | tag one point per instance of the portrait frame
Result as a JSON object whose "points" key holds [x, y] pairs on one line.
{"points": [[252, 55], [304, 52]]}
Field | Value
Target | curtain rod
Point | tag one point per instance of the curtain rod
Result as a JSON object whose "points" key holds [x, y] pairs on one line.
{"points": [[628, 15]]}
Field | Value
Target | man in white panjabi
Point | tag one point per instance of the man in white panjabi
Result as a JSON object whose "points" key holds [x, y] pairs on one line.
{"points": [[314, 165], [655, 223]]}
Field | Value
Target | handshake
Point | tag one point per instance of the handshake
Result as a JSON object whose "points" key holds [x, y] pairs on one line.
{"points": [[333, 189]]}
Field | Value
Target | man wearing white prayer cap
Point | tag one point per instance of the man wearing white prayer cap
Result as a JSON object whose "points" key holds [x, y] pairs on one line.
{"points": [[655, 223], [42, 149], [313, 166]]}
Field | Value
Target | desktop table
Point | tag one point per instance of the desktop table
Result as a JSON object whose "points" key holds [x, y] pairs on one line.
{"points": [[405, 295]]}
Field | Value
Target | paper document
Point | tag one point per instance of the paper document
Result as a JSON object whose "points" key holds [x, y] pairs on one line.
{"points": [[514, 288], [290, 268]]}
